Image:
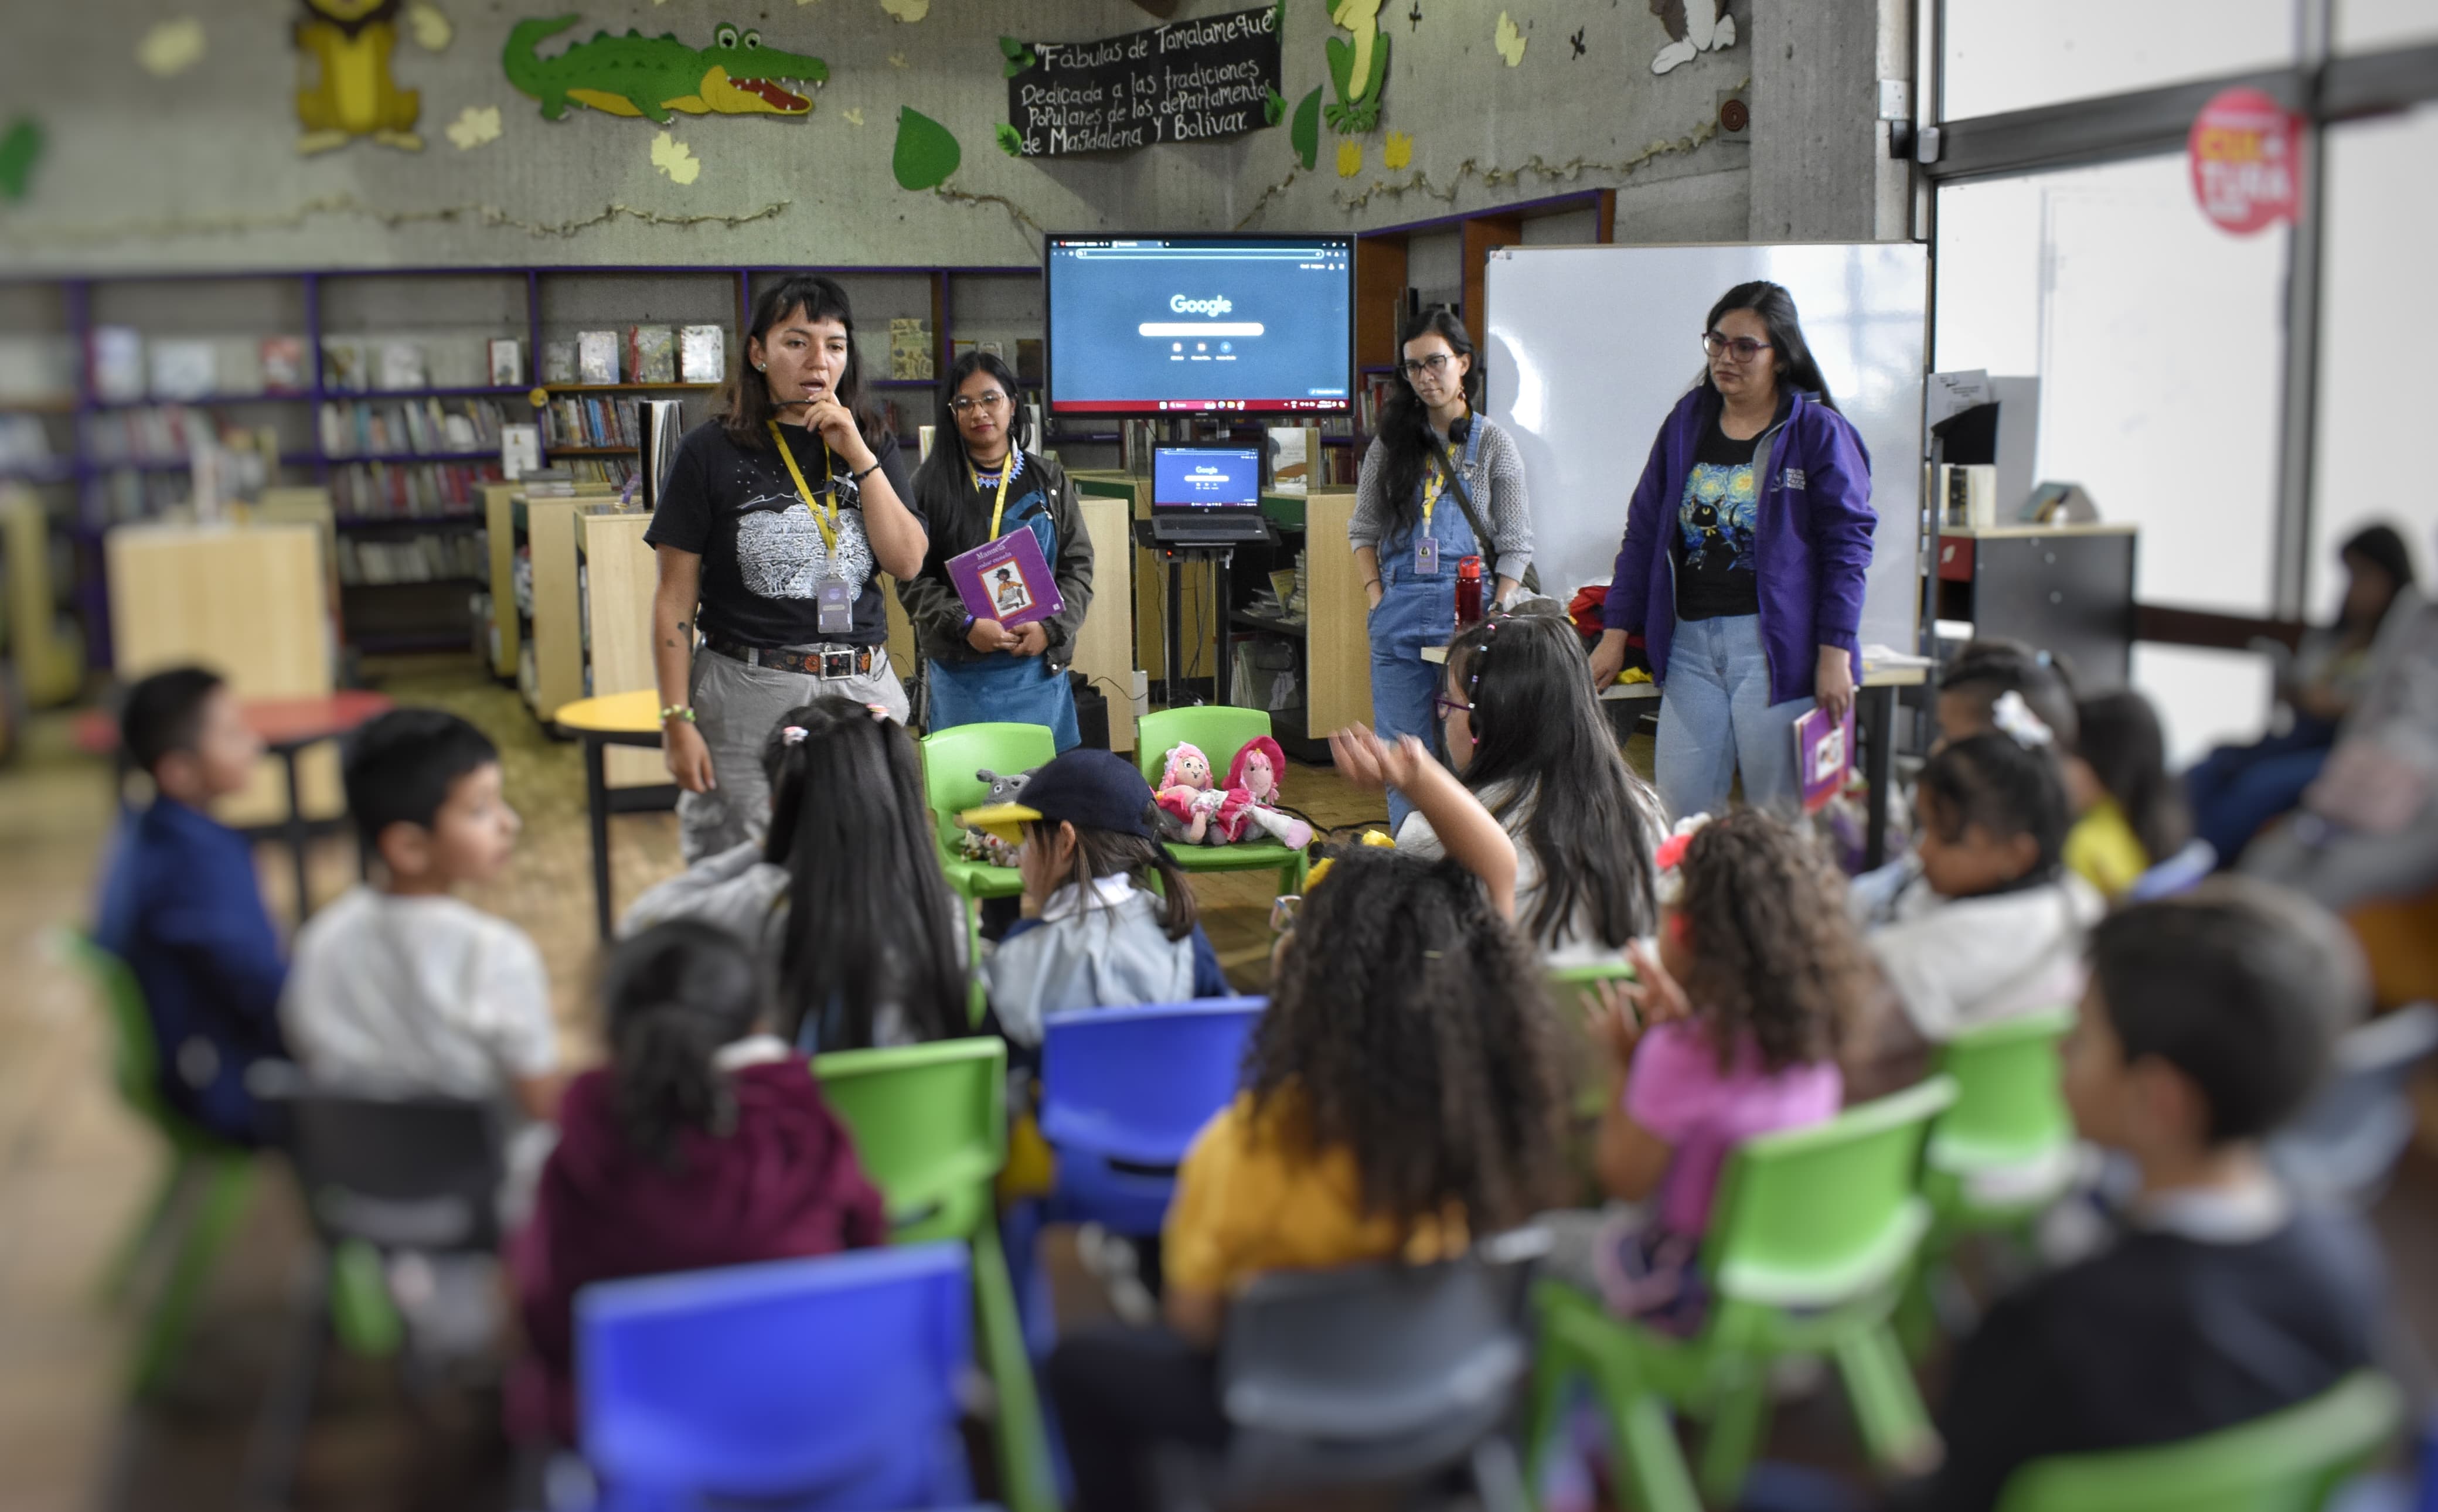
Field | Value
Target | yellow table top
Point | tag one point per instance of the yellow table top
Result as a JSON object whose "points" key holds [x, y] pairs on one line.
{"points": [[613, 714]]}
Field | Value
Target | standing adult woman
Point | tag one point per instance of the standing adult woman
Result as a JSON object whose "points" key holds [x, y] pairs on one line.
{"points": [[1745, 548], [1413, 525], [777, 515], [980, 483]]}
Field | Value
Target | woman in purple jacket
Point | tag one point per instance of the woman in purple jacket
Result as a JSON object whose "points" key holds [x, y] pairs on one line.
{"points": [[1745, 548]]}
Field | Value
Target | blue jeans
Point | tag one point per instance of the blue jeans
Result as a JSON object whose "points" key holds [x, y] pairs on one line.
{"points": [[1018, 690], [1715, 717], [1414, 612], [2236, 790]]}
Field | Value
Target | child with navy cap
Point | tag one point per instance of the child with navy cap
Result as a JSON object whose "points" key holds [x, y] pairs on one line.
{"points": [[1100, 936]]}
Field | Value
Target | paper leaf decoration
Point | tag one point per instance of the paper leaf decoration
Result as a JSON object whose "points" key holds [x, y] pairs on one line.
{"points": [[1010, 141], [1019, 56], [926, 152], [1509, 41], [853, 118], [21, 148], [1398, 150], [1274, 107], [171, 47], [1350, 159], [907, 10], [474, 126], [673, 158], [1304, 135], [429, 27], [736, 74]]}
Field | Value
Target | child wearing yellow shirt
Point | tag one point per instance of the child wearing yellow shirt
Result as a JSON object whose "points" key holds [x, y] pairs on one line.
{"points": [[1403, 1090], [2133, 812]]}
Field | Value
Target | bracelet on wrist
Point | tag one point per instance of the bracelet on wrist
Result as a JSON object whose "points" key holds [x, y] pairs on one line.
{"points": [[858, 477], [678, 712]]}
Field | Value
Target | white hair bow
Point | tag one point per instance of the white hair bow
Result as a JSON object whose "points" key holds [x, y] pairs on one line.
{"points": [[2012, 714]]}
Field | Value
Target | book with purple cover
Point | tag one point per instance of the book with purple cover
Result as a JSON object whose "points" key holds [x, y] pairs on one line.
{"points": [[1006, 580], [1824, 755]]}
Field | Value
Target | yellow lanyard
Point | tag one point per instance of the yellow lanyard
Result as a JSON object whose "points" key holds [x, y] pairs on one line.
{"points": [[1006, 470], [1431, 487], [829, 474]]}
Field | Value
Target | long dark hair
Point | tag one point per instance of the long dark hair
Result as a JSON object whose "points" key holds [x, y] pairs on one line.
{"points": [[2127, 753], [1111, 853], [2382, 546], [1405, 425], [746, 410], [675, 995], [1775, 959], [958, 517], [868, 921], [1790, 352], [1408, 1026], [1994, 783], [1538, 731]]}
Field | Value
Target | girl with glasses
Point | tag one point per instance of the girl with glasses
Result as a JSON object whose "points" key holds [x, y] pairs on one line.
{"points": [[1745, 548], [979, 485], [1412, 528]]}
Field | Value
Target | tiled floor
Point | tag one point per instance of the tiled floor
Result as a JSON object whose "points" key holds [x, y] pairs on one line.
{"points": [[74, 1168]]}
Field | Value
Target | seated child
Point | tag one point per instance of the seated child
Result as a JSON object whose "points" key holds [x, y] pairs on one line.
{"points": [[1100, 938], [2207, 1021], [882, 940], [1401, 1092], [1992, 924], [181, 906], [1524, 731], [399, 985], [704, 1143], [2134, 813], [1731, 1032]]}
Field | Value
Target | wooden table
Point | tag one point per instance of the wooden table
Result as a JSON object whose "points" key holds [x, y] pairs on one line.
{"points": [[613, 719], [287, 727]]}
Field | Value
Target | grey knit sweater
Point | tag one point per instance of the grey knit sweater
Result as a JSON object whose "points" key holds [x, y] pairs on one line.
{"points": [[1496, 479]]}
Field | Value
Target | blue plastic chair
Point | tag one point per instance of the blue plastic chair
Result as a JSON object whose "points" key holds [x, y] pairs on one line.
{"points": [[825, 1385], [1124, 1092]]}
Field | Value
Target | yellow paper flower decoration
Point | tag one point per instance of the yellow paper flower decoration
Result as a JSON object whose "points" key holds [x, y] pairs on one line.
{"points": [[1399, 150], [1350, 159], [675, 159]]}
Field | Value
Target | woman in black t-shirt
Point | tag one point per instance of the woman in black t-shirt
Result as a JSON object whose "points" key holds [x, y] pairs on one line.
{"points": [[777, 518]]}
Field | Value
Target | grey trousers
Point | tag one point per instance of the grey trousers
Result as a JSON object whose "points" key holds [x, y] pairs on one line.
{"points": [[2340, 871], [735, 706]]}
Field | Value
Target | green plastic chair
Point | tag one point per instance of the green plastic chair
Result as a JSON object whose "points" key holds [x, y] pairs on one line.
{"points": [[950, 758], [2292, 1461], [2000, 1157], [1811, 1234], [219, 1173], [931, 1128], [1221, 731], [1570, 994]]}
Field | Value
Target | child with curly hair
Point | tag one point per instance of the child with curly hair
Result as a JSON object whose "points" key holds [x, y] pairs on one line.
{"points": [[1730, 1032], [1401, 1092]]}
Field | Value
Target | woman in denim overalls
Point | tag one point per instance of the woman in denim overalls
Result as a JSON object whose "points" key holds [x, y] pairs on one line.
{"points": [[1409, 531]]}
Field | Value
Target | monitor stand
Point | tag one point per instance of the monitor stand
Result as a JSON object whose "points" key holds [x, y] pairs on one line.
{"points": [[1176, 554]]}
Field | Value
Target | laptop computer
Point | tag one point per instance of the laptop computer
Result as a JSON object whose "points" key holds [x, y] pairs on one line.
{"points": [[1206, 495]]}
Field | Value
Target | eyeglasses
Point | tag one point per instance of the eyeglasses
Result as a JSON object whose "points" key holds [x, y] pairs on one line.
{"points": [[1742, 348], [1448, 706], [966, 403], [1434, 365]]}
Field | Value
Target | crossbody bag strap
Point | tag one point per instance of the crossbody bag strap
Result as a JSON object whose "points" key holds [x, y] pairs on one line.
{"points": [[1455, 479]]}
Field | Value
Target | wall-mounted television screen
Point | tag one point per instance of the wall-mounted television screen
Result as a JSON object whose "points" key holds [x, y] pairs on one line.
{"points": [[1200, 325]]}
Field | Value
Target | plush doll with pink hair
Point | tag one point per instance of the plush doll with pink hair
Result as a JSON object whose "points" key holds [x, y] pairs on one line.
{"points": [[1185, 797], [1252, 796]]}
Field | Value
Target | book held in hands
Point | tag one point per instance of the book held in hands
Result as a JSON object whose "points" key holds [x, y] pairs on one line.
{"points": [[1006, 580]]}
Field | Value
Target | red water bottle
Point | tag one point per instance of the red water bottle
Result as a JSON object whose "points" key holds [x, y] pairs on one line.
{"points": [[1468, 591]]}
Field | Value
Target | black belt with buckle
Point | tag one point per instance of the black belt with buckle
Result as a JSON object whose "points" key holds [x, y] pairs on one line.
{"points": [[828, 663]]}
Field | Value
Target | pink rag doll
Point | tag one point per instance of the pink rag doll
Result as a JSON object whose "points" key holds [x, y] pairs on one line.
{"points": [[1252, 796], [1186, 795]]}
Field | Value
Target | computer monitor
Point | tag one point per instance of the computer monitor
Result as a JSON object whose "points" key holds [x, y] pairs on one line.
{"points": [[1206, 481], [1200, 325]]}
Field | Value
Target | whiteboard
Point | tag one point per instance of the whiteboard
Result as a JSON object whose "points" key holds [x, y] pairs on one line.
{"points": [[1590, 347]]}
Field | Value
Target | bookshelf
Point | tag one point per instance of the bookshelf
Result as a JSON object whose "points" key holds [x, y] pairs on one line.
{"points": [[277, 366]]}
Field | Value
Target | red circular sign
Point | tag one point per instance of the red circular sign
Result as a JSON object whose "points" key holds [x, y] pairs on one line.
{"points": [[2245, 155]]}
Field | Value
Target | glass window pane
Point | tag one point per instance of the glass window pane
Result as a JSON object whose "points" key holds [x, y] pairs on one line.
{"points": [[2378, 384], [2157, 339], [2368, 25], [2011, 55]]}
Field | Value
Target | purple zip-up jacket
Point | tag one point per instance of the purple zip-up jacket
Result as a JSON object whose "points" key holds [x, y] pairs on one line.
{"points": [[1811, 546]]}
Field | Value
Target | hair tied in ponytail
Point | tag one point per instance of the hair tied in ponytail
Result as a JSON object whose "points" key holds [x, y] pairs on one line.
{"points": [[2012, 714]]}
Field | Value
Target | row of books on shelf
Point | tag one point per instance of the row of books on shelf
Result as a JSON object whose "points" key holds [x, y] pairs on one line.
{"points": [[24, 443], [127, 368], [641, 354], [422, 426], [409, 489], [416, 559], [167, 433], [588, 420]]}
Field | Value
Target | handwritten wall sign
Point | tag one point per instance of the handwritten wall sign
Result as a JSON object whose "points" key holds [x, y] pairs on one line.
{"points": [[1187, 81]]}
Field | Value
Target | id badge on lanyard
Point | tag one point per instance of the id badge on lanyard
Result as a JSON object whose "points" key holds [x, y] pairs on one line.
{"points": [[834, 600], [1426, 546]]}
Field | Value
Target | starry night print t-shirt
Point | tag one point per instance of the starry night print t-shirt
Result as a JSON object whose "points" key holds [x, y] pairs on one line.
{"points": [[763, 556], [1714, 526]]}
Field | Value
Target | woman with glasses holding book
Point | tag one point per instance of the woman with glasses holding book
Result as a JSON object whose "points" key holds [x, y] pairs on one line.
{"points": [[1440, 482], [979, 486], [1745, 548]]}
